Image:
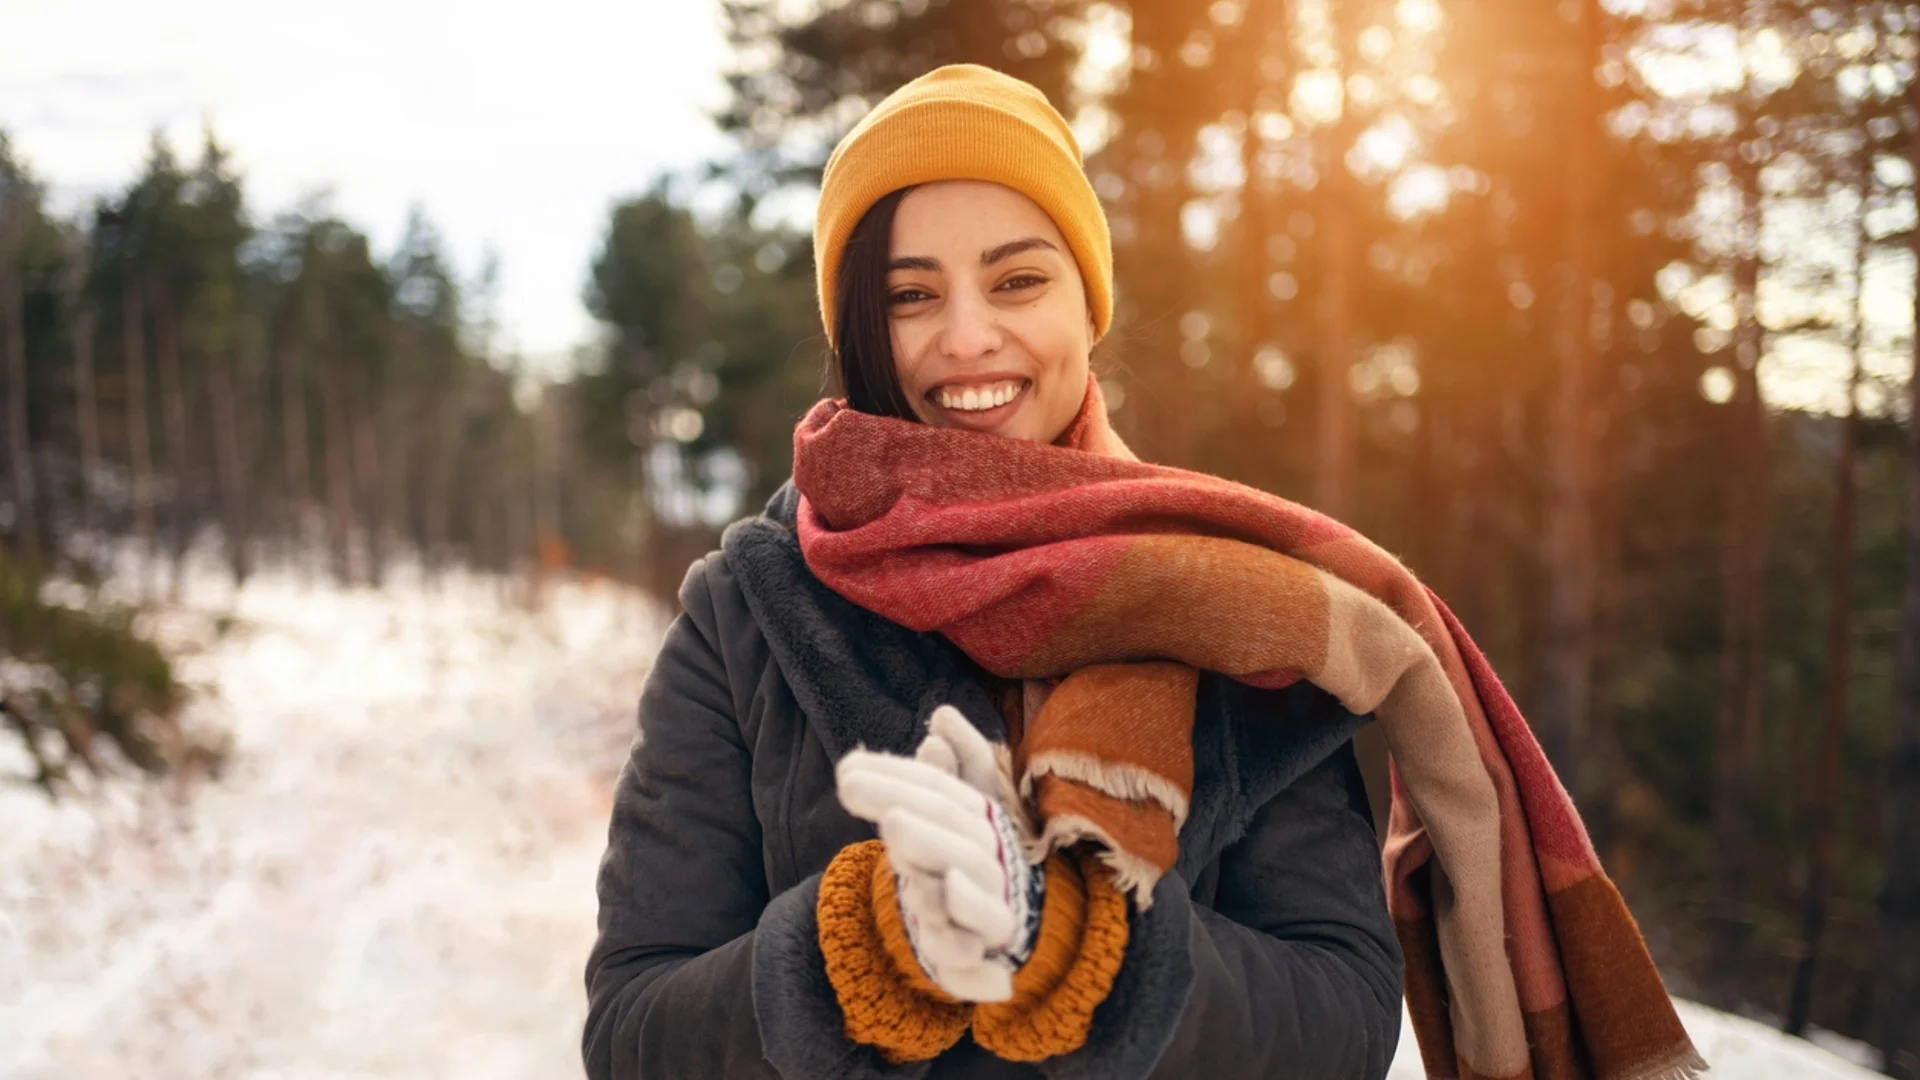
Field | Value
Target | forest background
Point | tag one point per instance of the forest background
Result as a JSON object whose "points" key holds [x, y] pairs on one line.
{"points": [[1599, 313]]}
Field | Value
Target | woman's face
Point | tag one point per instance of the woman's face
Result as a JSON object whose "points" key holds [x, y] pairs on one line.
{"points": [[988, 315]]}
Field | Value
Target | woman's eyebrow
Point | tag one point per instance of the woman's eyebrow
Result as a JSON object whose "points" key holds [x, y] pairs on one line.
{"points": [[1014, 247], [987, 257]]}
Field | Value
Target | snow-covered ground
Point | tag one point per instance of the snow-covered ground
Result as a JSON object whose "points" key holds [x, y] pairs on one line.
{"points": [[1737, 1048], [394, 878]]}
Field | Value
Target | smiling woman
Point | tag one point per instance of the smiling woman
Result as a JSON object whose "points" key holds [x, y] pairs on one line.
{"points": [[982, 265], [985, 321], [984, 752], [821, 863]]}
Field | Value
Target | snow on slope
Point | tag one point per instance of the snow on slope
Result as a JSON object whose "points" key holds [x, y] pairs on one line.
{"points": [[395, 876], [394, 879], [1737, 1048]]}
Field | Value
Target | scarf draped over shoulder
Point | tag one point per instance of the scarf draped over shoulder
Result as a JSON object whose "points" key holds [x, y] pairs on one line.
{"points": [[1108, 584]]}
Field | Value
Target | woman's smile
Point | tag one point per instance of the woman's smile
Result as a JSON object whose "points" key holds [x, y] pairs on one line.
{"points": [[980, 403], [987, 313]]}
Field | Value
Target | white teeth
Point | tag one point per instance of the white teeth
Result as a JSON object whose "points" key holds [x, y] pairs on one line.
{"points": [[976, 399]]}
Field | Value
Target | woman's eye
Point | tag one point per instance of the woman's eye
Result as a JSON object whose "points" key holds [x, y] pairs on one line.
{"points": [[1024, 281], [907, 296]]}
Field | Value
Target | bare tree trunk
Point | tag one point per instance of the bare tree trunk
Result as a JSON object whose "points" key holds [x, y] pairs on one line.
{"points": [[449, 412], [542, 550], [1266, 27], [522, 501], [13, 311], [249, 422], [500, 493], [173, 404], [1743, 608], [367, 485], [1255, 298], [1156, 263], [482, 524], [1334, 462], [251, 408], [133, 316], [548, 552], [336, 432], [1899, 1035], [400, 445], [560, 424], [1566, 660], [1601, 747], [86, 404], [1825, 816], [232, 468], [293, 431], [529, 499], [1178, 439]]}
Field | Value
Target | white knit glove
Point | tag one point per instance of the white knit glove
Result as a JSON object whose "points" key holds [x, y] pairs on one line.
{"points": [[971, 901]]}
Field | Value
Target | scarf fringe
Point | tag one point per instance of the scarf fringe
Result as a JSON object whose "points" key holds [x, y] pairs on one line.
{"points": [[1686, 1065], [1131, 874], [1120, 779]]}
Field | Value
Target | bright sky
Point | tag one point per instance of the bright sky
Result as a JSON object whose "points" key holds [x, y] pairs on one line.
{"points": [[515, 131]]}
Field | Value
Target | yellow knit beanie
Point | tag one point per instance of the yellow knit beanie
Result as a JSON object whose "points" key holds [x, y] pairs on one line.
{"points": [[964, 122]]}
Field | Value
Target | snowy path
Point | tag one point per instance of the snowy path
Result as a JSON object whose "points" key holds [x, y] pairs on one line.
{"points": [[395, 876]]}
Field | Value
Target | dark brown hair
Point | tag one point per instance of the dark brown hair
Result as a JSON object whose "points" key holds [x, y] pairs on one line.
{"points": [[863, 360]]}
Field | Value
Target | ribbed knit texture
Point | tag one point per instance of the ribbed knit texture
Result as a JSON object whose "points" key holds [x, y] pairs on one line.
{"points": [[1082, 942], [890, 1004], [887, 1004], [964, 122]]}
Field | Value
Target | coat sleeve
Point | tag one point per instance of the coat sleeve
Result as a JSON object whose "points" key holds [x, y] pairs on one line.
{"points": [[697, 971], [1296, 972]]}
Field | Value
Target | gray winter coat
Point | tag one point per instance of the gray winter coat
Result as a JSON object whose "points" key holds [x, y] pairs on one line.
{"points": [[1268, 951]]}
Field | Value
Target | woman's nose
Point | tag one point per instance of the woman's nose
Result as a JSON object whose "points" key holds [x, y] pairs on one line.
{"points": [[971, 328]]}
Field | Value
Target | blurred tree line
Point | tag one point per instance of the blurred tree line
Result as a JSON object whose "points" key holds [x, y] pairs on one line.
{"points": [[1598, 312], [181, 375]]}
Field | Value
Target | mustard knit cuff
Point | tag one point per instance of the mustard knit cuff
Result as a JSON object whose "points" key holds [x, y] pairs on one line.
{"points": [[1082, 943], [888, 1003]]}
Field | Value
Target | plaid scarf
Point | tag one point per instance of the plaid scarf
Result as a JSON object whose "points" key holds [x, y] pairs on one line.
{"points": [[1108, 583]]}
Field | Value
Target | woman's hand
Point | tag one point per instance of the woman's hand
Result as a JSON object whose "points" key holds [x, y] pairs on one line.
{"points": [[971, 901]]}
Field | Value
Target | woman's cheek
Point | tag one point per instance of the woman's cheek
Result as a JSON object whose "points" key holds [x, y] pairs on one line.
{"points": [[1061, 349], [907, 346]]}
